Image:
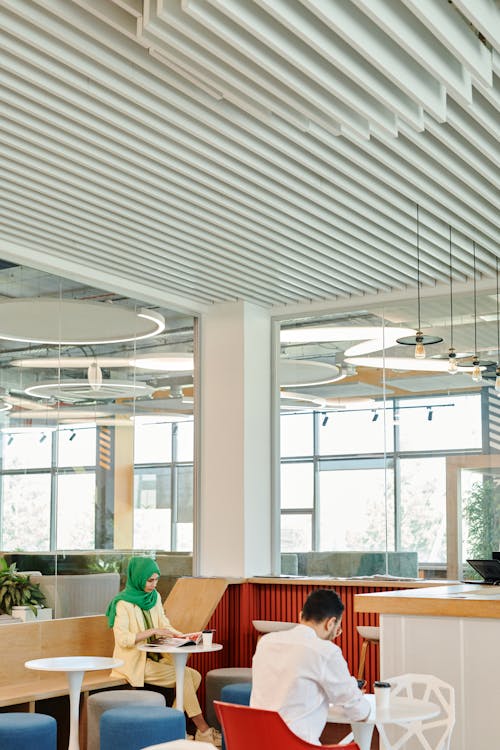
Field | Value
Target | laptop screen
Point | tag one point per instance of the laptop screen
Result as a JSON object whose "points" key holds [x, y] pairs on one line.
{"points": [[487, 569]]}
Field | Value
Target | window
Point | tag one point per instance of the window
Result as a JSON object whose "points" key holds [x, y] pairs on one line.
{"points": [[76, 511], [422, 521], [26, 512], [352, 508], [378, 483]]}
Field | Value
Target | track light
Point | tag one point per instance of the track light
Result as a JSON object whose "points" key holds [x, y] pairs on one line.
{"points": [[10, 440], [72, 436], [429, 414], [325, 420], [375, 416], [43, 438]]}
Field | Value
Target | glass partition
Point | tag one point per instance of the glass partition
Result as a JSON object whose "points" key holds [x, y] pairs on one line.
{"points": [[389, 462], [96, 412]]}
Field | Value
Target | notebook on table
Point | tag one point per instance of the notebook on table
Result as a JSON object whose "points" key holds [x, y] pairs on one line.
{"points": [[489, 570]]}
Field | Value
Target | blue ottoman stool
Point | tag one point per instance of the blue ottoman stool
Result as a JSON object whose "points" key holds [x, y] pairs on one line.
{"points": [[20, 731], [98, 703], [237, 693], [135, 727]]}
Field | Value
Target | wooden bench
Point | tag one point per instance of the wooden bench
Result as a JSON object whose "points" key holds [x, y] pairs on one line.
{"points": [[74, 636], [189, 605]]}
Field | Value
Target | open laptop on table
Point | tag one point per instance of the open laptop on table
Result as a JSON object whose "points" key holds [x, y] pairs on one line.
{"points": [[487, 569]]}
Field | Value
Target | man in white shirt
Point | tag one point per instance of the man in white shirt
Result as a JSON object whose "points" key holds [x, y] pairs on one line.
{"points": [[298, 672]]}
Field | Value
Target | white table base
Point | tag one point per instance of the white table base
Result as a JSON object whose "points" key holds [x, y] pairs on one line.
{"points": [[75, 668]]}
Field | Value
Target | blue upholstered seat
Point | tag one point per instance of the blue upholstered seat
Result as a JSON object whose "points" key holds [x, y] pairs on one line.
{"points": [[135, 727], [25, 731], [238, 692]]}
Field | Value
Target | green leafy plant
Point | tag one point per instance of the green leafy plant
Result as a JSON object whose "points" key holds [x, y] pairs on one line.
{"points": [[482, 513], [104, 566], [16, 589]]}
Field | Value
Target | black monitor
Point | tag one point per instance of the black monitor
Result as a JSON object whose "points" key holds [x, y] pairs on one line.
{"points": [[487, 569]]}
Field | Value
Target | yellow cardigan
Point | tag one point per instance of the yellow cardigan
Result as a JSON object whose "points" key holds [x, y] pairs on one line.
{"points": [[129, 621]]}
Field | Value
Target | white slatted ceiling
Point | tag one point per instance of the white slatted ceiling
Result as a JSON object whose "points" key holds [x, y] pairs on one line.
{"points": [[268, 150]]}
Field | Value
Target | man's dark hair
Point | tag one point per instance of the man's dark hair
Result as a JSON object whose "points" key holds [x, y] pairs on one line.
{"points": [[321, 605]]}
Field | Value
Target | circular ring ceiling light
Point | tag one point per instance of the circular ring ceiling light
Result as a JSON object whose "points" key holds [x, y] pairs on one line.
{"points": [[81, 390], [299, 372], [69, 321], [374, 338], [160, 361]]}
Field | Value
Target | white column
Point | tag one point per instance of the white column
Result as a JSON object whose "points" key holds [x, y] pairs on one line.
{"points": [[234, 503]]}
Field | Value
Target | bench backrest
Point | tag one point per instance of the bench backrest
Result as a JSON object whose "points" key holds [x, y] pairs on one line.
{"points": [[73, 636]]}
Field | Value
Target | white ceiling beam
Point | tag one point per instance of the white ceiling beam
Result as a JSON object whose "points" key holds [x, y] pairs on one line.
{"points": [[384, 54], [442, 20], [273, 36], [485, 16], [312, 25]]}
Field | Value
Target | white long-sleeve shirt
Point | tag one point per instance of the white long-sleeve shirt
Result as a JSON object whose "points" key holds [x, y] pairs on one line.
{"points": [[298, 674]]}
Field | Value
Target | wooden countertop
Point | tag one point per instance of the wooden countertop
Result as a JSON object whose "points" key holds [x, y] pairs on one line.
{"points": [[456, 600], [403, 583]]}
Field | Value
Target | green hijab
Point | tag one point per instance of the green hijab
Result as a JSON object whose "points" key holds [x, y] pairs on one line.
{"points": [[138, 571]]}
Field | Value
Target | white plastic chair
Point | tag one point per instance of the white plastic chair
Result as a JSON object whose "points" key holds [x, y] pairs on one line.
{"points": [[430, 734]]}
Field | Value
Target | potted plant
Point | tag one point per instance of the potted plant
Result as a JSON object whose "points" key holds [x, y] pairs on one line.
{"points": [[19, 596]]}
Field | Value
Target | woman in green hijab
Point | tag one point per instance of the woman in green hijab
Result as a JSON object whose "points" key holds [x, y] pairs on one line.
{"points": [[136, 615]]}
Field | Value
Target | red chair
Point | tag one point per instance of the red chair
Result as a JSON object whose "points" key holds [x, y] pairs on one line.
{"points": [[246, 728]]}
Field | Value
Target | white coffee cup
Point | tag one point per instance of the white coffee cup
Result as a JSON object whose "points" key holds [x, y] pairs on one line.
{"points": [[208, 636], [382, 692]]}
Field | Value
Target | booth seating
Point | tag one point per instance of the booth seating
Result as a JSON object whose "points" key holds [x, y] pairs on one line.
{"points": [[25, 731], [98, 703], [215, 680], [136, 727]]}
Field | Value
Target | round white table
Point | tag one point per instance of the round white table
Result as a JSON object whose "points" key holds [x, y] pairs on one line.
{"points": [[75, 667], [180, 654], [400, 710]]}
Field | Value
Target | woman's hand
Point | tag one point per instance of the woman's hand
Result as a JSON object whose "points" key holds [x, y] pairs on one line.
{"points": [[163, 632], [153, 633]]}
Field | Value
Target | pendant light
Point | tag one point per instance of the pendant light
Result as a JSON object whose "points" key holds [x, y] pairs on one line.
{"points": [[476, 370], [419, 340], [94, 376], [477, 364], [452, 355]]}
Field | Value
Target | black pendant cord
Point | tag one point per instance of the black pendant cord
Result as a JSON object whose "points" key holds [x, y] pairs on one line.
{"points": [[451, 297], [475, 299], [498, 321], [418, 268]]}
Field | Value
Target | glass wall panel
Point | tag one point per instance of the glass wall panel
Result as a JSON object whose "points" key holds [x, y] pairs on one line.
{"points": [[403, 453], [96, 435]]}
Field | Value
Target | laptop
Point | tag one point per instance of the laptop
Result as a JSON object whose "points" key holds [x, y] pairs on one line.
{"points": [[487, 569]]}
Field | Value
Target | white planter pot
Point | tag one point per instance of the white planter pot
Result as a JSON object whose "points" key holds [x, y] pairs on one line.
{"points": [[26, 615]]}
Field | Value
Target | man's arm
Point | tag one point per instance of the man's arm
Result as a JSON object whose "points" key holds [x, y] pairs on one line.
{"points": [[342, 689]]}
